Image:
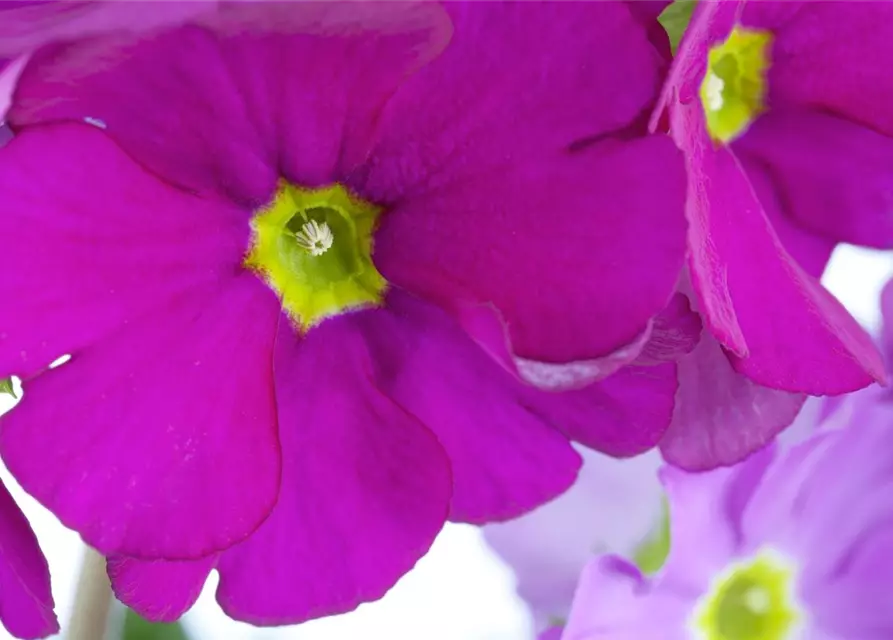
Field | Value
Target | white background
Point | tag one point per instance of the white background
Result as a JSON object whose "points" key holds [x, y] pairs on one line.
{"points": [[460, 591]]}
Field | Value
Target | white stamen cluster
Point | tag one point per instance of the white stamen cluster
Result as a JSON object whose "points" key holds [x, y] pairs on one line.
{"points": [[713, 89], [757, 600], [315, 238]]}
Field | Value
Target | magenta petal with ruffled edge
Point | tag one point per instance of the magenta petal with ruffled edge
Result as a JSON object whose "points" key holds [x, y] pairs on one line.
{"points": [[721, 416], [505, 459], [159, 590], [793, 335], [26, 602], [89, 242], [146, 440], [24, 26], [296, 88], [365, 488]]}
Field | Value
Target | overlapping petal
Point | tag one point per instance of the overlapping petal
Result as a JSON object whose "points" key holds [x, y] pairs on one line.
{"points": [[128, 456], [365, 488]]}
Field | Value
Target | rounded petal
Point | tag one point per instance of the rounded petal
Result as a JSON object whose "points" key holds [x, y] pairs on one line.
{"points": [[577, 252], [365, 489], [720, 416], [498, 96], [25, 26], [26, 605], [622, 415], [143, 442], [90, 242], [430, 367], [158, 590], [615, 602], [834, 176], [261, 89]]}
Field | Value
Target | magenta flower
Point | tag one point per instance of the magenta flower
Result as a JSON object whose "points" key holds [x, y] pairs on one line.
{"points": [[778, 108], [288, 246], [793, 544]]}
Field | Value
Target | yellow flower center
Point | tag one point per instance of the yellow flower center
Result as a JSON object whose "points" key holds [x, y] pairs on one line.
{"points": [[313, 247], [733, 91], [752, 600]]}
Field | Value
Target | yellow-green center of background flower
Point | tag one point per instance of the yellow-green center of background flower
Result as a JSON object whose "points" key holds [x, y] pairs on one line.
{"points": [[314, 248], [733, 91], [753, 600]]}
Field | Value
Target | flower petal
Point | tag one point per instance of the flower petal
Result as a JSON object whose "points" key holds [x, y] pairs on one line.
{"points": [[833, 175], [605, 275], [613, 507], [707, 519], [429, 366], [261, 89], [365, 489], [721, 416], [28, 25], [615, 602], [26, 607], [808, 343], [137, 442], [159, 590], [622, 415], [832, 56], [90, 242]]}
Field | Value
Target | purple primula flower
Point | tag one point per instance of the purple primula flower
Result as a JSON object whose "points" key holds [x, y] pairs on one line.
{"points": [[783, 114], [614, 507], [302, 255], [793, 544]]}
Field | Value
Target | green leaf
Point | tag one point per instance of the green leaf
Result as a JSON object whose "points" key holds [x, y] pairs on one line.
{"points": [[651, 554], [675, 19], [7, 388], [136, 628]]}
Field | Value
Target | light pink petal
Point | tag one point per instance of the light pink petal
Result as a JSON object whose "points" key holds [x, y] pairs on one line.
{"points": [[612, 507], [365, 488], [720, 415], [707, 519], [90, 242], [159, 590], [263, 90], [556, 246], [24, 26], [793, 335], [615, 602], [26, 602], [505, 459], [147, 440]]}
